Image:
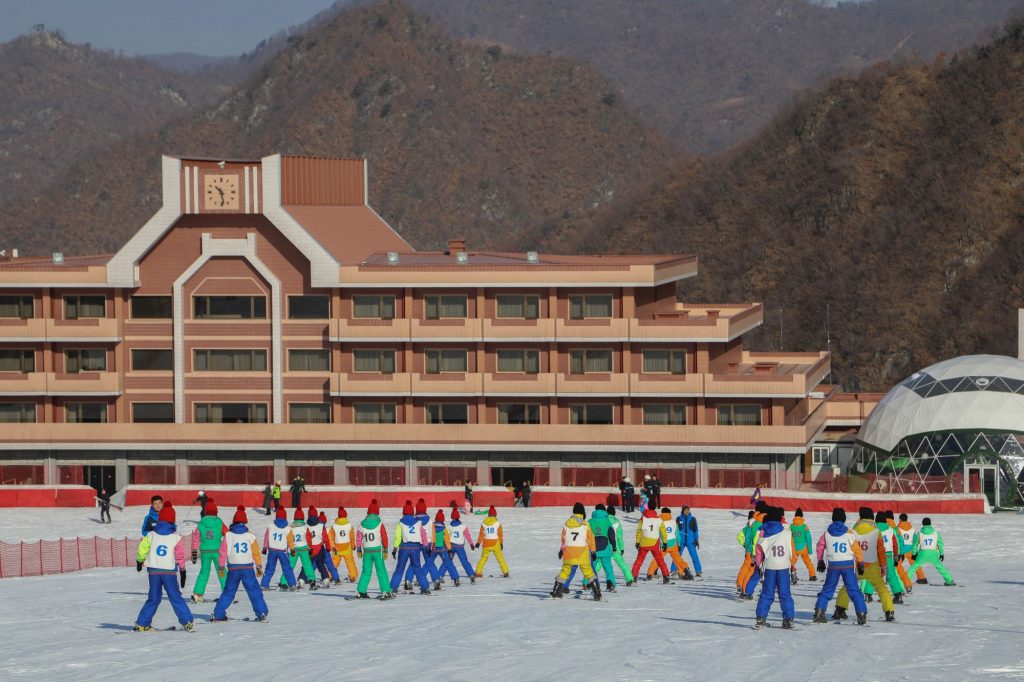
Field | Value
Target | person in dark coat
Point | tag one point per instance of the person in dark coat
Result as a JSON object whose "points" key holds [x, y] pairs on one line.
{"points": [[201, 501], [527, 492], [104, 502], [628, 495], [268, 498], [468, 492], [656, 489], [298, 487]]}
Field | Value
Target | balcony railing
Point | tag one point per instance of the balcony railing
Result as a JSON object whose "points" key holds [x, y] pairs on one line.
{"points": [[51, 383]]}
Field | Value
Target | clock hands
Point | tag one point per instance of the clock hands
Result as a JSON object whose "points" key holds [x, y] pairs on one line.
{"points": [[221, 192]]}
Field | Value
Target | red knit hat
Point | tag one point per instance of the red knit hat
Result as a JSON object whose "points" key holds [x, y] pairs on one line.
{"points": [[240, 516], [281, 513], [440, 516], [374, 507], [421, 506], [342, 514], [407, 508], [167, 514], [456, 515], [211, 507], [492, 511], [299, 516], [322, 517], [312, 513]]}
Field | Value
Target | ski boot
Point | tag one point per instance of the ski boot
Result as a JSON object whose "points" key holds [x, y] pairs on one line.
{"points": [[142, 628], [565, 589], [687, 575], [868, 598], [472, 580], [840, 614], [189, 626], [760, 623], [697, 574], [425, 591], [457, 583], [890, 616], [609, 586], [909, 589], [293, 588], [922, 581], [362, 595], [630, 583], [793, 579], [197, 598], [862, 619], [408, 586], [558, 590], [335, 581], [951, 583], [437, 586], [505, 575], [313, 587], [665, 580], [390, 595], [897, 599], [787, 623], [819, 616], [813, 579], [747, 597], [595, 588], [214, 619]]}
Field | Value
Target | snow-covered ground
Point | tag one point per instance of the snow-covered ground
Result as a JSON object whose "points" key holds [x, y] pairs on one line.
{"points": [[74, 626]]}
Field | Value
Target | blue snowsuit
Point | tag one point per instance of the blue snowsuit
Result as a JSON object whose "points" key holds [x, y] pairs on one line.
{"points": [[460, 551], [775, 580], [278, 556], [688, 538], [161, 581], [428, 563], [149, 521], [846, 570], [322, 560], [246, 575], [438, 552], [409, 555]]}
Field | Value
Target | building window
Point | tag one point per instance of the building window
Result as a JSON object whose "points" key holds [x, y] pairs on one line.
{"points": [[521, 306], [518, 413], [583, 307], [664, 361], [309, 413], [80, 307], [664, 414], [739, 414], [447, 413], [16, 306], [230, 307], [85, 360], [226, 360], [152, 359], [527, 361], [309, 307], [231, 413], [17, 360], [379, 361], [821, 454], [447, 360], [151, 307], [309, 360], [152, 413], [373, 307], [375, 413], [86, 413], [591, 413], [448, 306], [17, 413], [590, 361]]}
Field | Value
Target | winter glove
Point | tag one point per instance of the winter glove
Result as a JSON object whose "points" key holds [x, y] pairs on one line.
{"points": [[559, 554], [394, 553], [860, 569], [183, 578], [593, 557], [359, 553], [502, 546], [696, 544], [264, 551], [821, 567], [195, 556], [292, 552], [138, 566], [451, 553], [637, 545], [664, 547], [942, 557], [259, 571], [913, 557]]}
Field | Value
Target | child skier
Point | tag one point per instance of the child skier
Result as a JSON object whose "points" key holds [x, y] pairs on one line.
{"points": [[244, 565], [929, 550], [606, 543], [873, 559], [745, 539], [689, 537], [460, 536], [802, 542], [891, 548], [342, 538], [164, 553], [372, 546], [890, 520], [300, 549], [441, 551], [650, 538], [838, 547], [278, 545], [428, 565], [774, 557], [670, 548], [411, 536], [618, 556], [907, 534], [208, 537], [577, 549], [492, 539]]}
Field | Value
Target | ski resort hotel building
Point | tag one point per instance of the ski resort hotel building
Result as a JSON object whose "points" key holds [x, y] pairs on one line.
{"points": [[266, 321]]}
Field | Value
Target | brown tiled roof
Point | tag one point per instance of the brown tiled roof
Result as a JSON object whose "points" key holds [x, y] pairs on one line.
{"points": [[46, 262], [349, 233]]}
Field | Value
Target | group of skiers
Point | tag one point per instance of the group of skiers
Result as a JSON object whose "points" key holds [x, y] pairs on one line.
{"points": [[868, 558], [425, 551]]}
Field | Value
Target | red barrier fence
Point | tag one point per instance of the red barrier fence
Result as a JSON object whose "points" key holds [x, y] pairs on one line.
{"points": [[49, 557], [47, 496]]}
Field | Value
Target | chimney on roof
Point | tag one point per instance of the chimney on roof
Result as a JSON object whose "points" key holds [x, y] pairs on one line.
{"points": [[456, 246], [713, 314]]}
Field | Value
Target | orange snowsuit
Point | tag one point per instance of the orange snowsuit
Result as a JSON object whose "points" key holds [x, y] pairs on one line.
{"points": [[908, 556], [799, 530], [492, 540], [342, 539], [671, 548], [746, 538]]}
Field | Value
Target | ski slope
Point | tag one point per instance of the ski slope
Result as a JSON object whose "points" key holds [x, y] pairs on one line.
{"points": [[74, 626]]}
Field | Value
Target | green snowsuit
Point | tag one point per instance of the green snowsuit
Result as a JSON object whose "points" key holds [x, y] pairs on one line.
{"points": [[301, 554], [211, 532], [617, 555], [928, 549], [373, 558], [600, 525], [891, 576]]}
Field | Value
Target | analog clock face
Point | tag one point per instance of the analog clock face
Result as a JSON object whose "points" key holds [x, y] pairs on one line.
{"points": [[221, 192]]}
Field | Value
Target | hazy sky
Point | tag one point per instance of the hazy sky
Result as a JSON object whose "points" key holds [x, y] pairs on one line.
{"points": [[211, 27]]}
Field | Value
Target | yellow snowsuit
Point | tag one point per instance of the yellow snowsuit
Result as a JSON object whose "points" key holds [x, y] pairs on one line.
{"points": [[872, 569], [492, 539], [342, 545], [577, 544]]}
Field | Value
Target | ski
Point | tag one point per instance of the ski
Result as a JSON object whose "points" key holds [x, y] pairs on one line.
{"points": [[173, 628]]}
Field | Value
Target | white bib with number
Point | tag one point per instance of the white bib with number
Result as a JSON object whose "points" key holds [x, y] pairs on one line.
{"points": [[670, 530], [240, 548], [908, 537], [491, 531], [299, 537], [869, 546], [371, 538], [316, 534], [927, 542], [457, 536], [839, 548], [161, 551], [343, 534], [778, 551], [651, 529], [575, 537], [413, 533], [277, 538], [887, 537]]}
